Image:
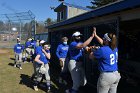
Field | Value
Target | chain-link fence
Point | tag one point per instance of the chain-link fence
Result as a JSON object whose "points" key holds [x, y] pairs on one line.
{"points": [[17, 25]]}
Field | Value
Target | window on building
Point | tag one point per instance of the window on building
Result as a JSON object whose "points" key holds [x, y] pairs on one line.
{"points": [[61, 15]]}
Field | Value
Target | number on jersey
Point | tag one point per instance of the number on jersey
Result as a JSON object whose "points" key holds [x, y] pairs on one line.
{"points": [[112, 58]]}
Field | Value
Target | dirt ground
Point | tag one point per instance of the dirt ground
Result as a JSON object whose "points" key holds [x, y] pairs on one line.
{"points": [[3, 51]]}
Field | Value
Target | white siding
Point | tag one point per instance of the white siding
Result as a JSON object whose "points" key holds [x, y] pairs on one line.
{"points": [[72, 11]]}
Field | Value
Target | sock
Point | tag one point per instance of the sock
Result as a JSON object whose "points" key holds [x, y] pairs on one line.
{"points": [[48, 83]]}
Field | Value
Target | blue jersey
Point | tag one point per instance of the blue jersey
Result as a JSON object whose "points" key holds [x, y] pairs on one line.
{"points": [[33, 44], [28, 44], [18, 48], [107, 58], [74, 53], [62, 51], [38, 49], [43, 57]]}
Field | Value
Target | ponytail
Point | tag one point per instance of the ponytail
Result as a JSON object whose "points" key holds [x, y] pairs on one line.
{"points": [[113, 42]]}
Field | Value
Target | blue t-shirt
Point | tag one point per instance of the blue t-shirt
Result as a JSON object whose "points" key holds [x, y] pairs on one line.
{"points": [[28, 44], [62, 51], [38, 49], [18, 48], [74, 53], [43, 57], [107, 58], [33, 44]]}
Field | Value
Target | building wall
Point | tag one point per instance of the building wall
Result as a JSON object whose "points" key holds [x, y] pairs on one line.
{"points": [[64, 9], [86, 25], [123, 15], [72, 11]]}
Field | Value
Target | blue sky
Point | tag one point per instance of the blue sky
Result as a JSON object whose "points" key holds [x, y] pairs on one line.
{"points": [[40, 8]]}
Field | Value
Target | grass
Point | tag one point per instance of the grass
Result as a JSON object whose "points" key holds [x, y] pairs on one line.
{"points": [[14, 80]]}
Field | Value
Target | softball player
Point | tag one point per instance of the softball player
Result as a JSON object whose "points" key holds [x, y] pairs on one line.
{"points": [[28, 48], [18, 54], [108, 58], [61, 53], [75, 63], [37, 50], [33, 46], [42, 58]]}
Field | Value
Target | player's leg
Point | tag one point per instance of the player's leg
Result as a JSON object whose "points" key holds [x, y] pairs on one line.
{"points": [[113, 88], [38, 77], [75, 74], [47, 77], [83, 80], [103, 85], [20, 60], [34, 73], [16, 59]]}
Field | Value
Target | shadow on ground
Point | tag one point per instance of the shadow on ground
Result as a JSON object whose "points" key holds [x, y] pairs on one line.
{"points": [[26, 80], [11, 64], [12, 58]]}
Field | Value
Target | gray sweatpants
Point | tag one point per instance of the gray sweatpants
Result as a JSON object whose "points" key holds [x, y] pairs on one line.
{"points": [[39, 75], [65, 65], [77, 74], [28, 52], [108, 82], [18, 58]]}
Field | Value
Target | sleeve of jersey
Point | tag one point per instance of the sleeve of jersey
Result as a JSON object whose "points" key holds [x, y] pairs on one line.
{"points": [[98, 53], [37, 50], [74, 44], [48, 51], [57, 51], [38, 53]]}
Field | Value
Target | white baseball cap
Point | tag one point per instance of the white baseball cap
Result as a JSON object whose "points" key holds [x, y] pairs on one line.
{"points": [[29, 39], [106, 37], [76, 34], [42, 41]]}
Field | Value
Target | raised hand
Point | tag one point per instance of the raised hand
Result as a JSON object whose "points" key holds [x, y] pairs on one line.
{"points": [[94, 30]]}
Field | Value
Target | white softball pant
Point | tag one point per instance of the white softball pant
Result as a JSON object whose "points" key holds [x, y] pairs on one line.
{"points": [[108, 82], [65, 65], [77, 74], [18, 58], [39, 75], [28, 52]]}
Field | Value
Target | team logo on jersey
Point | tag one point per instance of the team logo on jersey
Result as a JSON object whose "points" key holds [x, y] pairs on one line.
{"points": [[64, 48], [18, 47]]}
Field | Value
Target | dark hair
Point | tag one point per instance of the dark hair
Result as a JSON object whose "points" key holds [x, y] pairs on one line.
{"points": [[113, 42], [64, 38], [45, 43]]}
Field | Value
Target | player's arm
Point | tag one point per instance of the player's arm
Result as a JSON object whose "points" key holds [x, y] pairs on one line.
{"points": [[82, 45], [46, 54], [100, 40], [37, 59]]}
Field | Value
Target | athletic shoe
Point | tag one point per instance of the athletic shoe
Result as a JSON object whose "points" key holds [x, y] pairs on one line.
{"points": [[48, 91], [20, 68], [15, 65], [35, 88], [67, 91]]}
